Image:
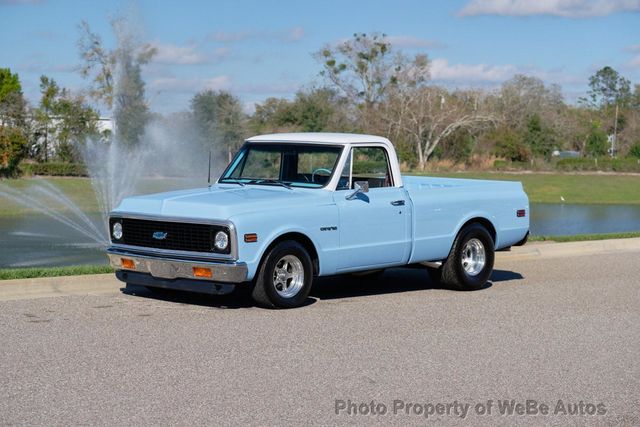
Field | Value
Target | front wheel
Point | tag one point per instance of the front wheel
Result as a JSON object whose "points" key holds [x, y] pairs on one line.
{"points": [[470, 261], [285, 277]]}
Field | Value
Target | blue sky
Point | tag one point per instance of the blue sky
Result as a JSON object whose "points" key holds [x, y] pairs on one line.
{"points": [[258, 49]]}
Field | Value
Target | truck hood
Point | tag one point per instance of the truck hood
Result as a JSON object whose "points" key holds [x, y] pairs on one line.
{"points": [[218, 202]]}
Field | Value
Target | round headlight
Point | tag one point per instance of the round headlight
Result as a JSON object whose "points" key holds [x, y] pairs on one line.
{"points": [[221, 241], [117, 230]]}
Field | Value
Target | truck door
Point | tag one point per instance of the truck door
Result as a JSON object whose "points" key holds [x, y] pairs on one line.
{"points": [[375, 225]]}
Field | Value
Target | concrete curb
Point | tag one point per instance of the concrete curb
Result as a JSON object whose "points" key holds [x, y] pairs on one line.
{"points": [[42, 287], [542, 250]]}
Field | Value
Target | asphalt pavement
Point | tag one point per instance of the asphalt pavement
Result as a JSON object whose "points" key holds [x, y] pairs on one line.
{"points": [[556, 333]]}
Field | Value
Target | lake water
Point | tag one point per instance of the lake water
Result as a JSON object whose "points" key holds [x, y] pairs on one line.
{"points": [[38, 241]]}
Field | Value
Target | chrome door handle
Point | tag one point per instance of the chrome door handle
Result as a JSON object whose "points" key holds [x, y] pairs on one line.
{"points": [[398, 203]]}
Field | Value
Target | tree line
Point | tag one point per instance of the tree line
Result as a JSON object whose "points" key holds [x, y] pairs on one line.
{"points": [[367, 87]]}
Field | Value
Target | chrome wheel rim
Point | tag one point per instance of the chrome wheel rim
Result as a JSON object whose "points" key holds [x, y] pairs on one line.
{"points": [[473, 257], [288, 276]]}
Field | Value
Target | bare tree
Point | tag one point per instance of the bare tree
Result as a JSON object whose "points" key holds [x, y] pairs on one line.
{"points": [[428, 115], [522, 97], [365, 69]]}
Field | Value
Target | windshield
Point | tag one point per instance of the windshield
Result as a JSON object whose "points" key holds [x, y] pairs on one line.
{"points": [[290, 165]]}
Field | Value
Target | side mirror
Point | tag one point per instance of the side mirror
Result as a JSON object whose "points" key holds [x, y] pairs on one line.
{"points": [[360, 187]]}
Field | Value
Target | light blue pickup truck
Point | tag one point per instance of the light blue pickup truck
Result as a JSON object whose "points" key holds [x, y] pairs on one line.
{"points": [[292, 207]]}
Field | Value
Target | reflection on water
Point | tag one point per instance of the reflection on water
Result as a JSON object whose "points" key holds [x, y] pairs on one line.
{"points": [[558, 220], [40, 241]]}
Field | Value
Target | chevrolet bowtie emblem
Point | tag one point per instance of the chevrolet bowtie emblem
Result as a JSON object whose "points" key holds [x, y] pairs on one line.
{"points": [[160, 235]]}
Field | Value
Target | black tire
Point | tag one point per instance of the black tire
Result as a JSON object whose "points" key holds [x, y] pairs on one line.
{"points": [[453, 273], [268, 290], [435, 274]]}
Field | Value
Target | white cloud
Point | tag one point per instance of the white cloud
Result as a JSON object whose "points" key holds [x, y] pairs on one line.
{"points": [[563, 8], [175, 84], [408, 42], [172, 54], [634, 62], [634, 48], [289, 35], [295, 34], [186, 55], [225, 37], [442, 70], [268, 88]]}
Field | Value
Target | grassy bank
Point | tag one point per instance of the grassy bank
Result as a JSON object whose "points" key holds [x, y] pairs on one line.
{"points": [[584, 237], [34, 272], [550, 187]]}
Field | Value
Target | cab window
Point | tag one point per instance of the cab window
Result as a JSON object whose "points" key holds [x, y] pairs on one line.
{"points": [[370, 164]]}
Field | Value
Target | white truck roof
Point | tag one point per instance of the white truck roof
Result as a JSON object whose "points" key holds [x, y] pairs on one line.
{"points": [[319, 137]]}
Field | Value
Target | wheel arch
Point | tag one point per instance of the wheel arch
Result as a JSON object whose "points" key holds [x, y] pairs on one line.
{"points": [[485, 222], [300, 238]]}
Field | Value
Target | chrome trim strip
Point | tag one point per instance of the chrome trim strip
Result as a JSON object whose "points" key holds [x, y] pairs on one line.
{"points": [[208, 255], [168, 268], [205, 256]]}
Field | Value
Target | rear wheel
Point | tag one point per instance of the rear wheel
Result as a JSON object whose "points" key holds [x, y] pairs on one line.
{"points": [[285, 277], [470, 261]]}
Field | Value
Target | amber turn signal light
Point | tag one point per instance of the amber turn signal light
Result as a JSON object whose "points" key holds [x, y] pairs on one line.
{"points": [[128, 263], [251, 238], [202, 272]]}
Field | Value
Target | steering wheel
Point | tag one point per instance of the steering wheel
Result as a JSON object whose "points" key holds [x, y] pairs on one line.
{"points": [[313, 174]]}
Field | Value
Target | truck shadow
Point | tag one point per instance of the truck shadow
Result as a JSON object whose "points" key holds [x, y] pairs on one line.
{"points": [[392, 281], [237, 299]]}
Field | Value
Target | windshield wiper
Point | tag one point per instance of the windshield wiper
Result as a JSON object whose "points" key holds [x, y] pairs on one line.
{"points": [[232, 181], [271, 181]]}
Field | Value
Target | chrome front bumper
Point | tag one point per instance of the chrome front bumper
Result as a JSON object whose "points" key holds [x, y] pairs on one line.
{"points": [[175, 268]]}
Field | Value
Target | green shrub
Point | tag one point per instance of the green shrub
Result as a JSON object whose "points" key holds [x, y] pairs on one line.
{"points": [[599, 164], [54, 169], [597, 141], [508, 144], [13, 147], [635, 150], [500, 165]]}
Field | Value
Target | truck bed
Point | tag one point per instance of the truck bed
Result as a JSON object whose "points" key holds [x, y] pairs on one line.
{"points": [[443, 205]]}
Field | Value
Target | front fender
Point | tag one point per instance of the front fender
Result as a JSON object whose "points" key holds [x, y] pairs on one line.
{"points": [[269, 227]]}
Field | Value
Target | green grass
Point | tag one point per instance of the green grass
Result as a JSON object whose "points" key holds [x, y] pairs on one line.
{"points": [[79, 190], [34, 272], [584, 237], [574, 188]]}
